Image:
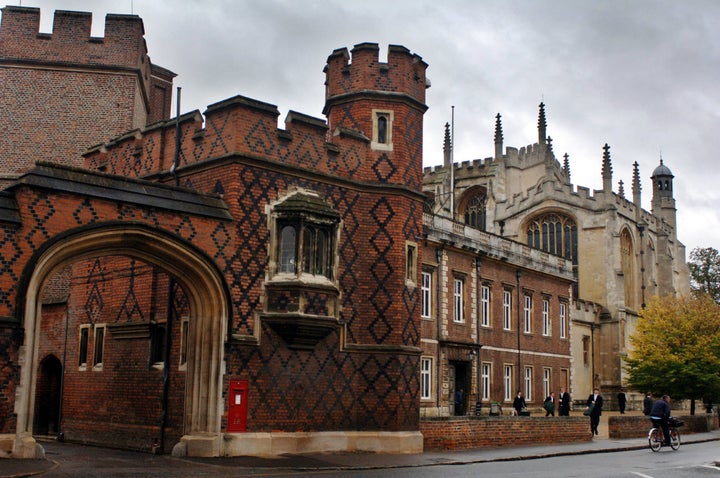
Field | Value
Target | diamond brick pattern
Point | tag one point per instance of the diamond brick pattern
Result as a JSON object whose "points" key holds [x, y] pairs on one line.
{"points": [[353, 378]]}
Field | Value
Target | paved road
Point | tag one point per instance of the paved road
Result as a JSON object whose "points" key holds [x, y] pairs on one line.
{"points": [[72, 460]]}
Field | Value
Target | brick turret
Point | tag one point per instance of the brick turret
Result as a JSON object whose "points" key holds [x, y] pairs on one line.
{"points": [[385, 103]]}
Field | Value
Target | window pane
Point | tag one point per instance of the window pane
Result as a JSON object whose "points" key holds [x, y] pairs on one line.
{"points": [[382, 129], [287, 249], [308, 248], [82, 360], [99, 343], [425, 378], [426, 294], [321, 259]]}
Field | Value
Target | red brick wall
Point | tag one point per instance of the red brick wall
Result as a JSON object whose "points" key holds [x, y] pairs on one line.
{"points": [[499, 346], [369, 381], [467, 433], [638, 426], [68, 91], [120, 404]]}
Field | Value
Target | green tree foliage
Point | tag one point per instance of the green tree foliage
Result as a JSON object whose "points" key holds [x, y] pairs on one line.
{"points": [[704, 265], [676, 348]]}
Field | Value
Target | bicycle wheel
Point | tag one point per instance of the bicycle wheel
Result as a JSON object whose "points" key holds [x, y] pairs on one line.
{"points": [[674, 438], [655, 439]]}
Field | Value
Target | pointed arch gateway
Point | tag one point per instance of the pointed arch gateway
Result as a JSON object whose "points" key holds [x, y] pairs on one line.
{"points": [[208, 300]]}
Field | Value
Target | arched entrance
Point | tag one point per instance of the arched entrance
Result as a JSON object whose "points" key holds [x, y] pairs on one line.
{"points": [[47, 396], [208, 304]]}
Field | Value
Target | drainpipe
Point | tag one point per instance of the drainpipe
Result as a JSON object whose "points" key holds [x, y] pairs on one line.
{"points": [[478, 312], [438, 256], [166, 365]]}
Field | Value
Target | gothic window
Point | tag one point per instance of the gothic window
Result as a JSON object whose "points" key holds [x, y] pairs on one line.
{"points": [[429, 204], [382, 130], [306, 229], [554, 233], [382, 126], [627, 259], [475, 215]]}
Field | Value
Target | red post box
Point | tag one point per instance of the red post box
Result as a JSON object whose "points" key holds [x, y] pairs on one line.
{"points": [[237, 408]]}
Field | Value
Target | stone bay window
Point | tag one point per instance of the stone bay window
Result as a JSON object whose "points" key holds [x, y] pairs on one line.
{"points": [[301, 301]]}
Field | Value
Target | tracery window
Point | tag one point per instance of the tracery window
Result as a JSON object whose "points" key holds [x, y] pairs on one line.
{"points": [[627, 263], [475, 211], [554, 233]]}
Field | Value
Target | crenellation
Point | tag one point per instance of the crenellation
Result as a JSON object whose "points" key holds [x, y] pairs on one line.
{"points": [[71, 42], [19, 24], [361, 70], [241, 101], [293, 117], [71, 26]]}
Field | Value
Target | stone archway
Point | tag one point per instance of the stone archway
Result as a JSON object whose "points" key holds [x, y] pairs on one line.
{"points": [[209, 308]]}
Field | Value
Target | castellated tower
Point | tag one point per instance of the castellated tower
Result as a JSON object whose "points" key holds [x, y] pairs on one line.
{"points": [[68, 91], [383, 102]]}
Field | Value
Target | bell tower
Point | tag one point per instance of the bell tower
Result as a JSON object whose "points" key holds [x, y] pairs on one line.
{"points": [[663, 202]]}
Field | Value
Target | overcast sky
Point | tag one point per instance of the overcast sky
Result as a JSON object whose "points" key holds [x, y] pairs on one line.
{"points": [[640, 75]]}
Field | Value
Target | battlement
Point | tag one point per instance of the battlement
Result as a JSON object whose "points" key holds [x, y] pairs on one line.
{"points": [[238, 126], [70, 41], [362, 71]]}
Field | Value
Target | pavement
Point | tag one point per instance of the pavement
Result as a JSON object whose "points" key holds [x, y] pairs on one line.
{"points": [[66, 459]]}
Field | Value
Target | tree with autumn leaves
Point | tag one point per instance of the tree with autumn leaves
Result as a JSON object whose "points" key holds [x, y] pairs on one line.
{"points": [[704, 265], [676, 348]]}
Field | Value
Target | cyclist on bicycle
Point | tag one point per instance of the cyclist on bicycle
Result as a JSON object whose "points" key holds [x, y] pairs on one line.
{"points": [[660, 414]]}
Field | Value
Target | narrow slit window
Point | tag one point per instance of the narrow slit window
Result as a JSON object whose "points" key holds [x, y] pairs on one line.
{"points": [[83, 350], [99, 346], [382, 123]]}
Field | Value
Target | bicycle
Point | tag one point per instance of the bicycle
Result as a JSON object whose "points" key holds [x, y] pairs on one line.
{"points": [[656, 437]]}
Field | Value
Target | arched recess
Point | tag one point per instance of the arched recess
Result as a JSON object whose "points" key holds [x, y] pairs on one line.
{"points": [[209, 306], [472, 207], [553, 231], [627, 265]]}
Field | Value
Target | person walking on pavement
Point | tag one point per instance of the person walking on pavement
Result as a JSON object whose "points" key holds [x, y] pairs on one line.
{"points": [[622, 401], [519, 403], [595, 402], [564, 399], [647, 404], [549, 405]]}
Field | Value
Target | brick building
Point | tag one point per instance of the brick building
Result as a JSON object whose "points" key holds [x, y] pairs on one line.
{"points": [[68, 90], [258, 290], [268, 293], [619, 253]]}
